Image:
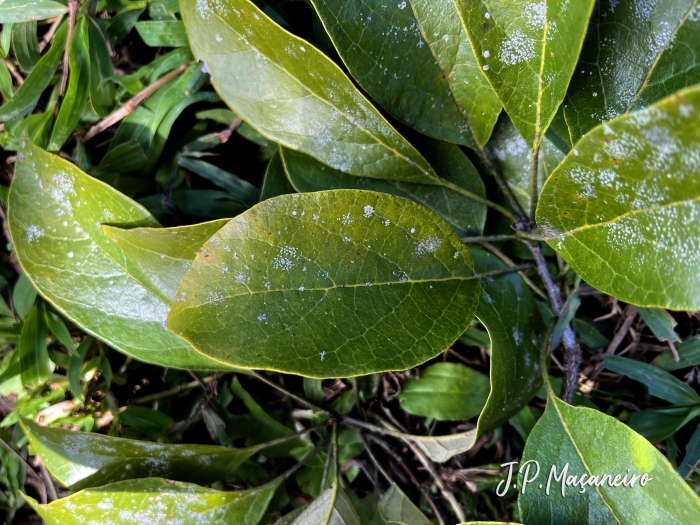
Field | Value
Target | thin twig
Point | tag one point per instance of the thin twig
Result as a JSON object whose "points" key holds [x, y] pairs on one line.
{"points": [[13, 71], [630, 315], [48, 36], [72, 15], [326, 467], [173, 391], [294, 396], [131, 105], [48, 483], [498, 253], [489, 238], [534, 186], [378, 467], [503, 185]]}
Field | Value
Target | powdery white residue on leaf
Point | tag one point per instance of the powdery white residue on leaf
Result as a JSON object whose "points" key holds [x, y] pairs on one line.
{"points": [[534, 15], [285, 258], [517, 48], [368, 211], [34, 233], [429, 244]]}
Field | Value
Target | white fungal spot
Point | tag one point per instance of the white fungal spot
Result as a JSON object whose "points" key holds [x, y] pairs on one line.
{"points": [[262, 317], [301, 288], [402, 5], [323, 355], [285, 258], [517, 48], [486, 67], [486, 53], [70, 254], [534, 15], [429, 244], [487, 15], [34, 232], [368, 211]]}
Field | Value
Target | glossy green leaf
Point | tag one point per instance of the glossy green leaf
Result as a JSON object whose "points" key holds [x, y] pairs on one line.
{"points": [[692, 454], [594, 444], [635, 53], [25, 44], [23, 296], [509, 313], [55, 216], [33, 356], [237, 187], [287, 77], [275, 182], [13, 11], [159, 502], [626, 199], [332, 507], [659, 382], [306, 174], [414, 58], [660, 322], [6, 87], [442, 448], [527, 50], [59, 329], [658, 424], [38, 80], [162, 33], [83, 459], [395, 507], [207, 204], [446, 391], [328, 284], [76, 95], [510, 155], [164, 255], [688, 351]]}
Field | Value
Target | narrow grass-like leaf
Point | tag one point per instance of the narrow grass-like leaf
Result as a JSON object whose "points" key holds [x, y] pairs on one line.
{"points": [[328, 284], [33, 356], [287, 77], [660, 322], [13, 11], [162, 33], [688, 351]]}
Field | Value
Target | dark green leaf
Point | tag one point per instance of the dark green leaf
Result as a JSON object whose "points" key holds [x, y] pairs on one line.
{"points": [[26, 45], [55, 221], [446, 391], [467, 217], [332, 507], [162, 33], [636, 52], [158, 501], [237, 187], [13, 11], [527, 51], [23, 296], [625, 200], [658, 424], [38, 80], [59, 330], [276, 182], [346, 282], [660, 322], [659, 382], [692, 454], [102, 91], [286, 77], [688, 351], [568, 312], [395, 507], [591, 443], [208, 204], [590, 335], [81, 460], [33, 356], [414, 58]]}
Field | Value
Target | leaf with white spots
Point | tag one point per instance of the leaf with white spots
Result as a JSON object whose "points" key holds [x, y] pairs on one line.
{"points": [[413, 57], [596, 447], [329, 284], [623, 208], [527, 49], [636, 53], [156, 501], [84, 459], [293, 94], [55, 216]]}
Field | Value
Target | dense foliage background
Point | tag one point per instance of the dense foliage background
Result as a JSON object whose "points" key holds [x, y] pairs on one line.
{"points": [[127, 103]]}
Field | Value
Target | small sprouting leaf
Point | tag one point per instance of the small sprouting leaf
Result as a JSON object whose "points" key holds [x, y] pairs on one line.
{"points": [[660, 322], [688, 351], [591, 444], [660, 383], [55, 217], [84, 459], [287, 77], [414, 58], [328, 284], [509, 313], [527, 50], [158, 501], [510, 155], [395, 507], [78, 87], [164, 254], [332, 507], [33, 354], [635, 53], [446, 391], [626, 200], [467, 217], [14, 11], [442, 448]]}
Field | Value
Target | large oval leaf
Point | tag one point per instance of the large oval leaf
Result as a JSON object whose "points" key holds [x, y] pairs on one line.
{"points": [[285, 78], [332, 507], [591, 443], [414, 58], [84, 459], [528, 51], [159, 502], [55, 217], [635, 53], [328, 284], [466, 216], [626, 199]]}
